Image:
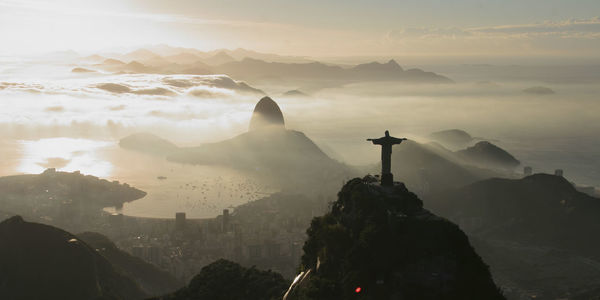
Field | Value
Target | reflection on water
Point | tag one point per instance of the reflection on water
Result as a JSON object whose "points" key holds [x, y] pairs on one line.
{"points": [[199, 191], [64, 154]]}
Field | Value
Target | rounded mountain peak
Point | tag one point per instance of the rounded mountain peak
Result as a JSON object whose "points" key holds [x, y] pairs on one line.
{"points": [[266, 115]]}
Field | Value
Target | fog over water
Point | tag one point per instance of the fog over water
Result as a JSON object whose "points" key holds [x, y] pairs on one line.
{"points": [[52, 117]]}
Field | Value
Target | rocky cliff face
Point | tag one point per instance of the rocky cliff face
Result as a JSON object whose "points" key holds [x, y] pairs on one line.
{"points": [[379, 243]]}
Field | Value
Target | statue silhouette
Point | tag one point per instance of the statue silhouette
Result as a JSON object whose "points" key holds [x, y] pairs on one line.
{"points": [[386, 142]]}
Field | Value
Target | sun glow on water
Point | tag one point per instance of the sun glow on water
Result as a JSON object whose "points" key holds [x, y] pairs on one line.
{"points": [[64, 154]]}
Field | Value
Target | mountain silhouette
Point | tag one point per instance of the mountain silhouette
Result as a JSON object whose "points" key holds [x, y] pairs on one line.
{"points": [[253, 69], [226, 280], [254, 66], [427, 168], [539, 90], [379, 243], [139, 54], [82, 70], [277, 153], [43, 262], [266, 115], [389, 67], [487, 154], [455, 138], [540, 209], [537, 233], [250, 68], [295, 93], [269, 149], [218, 59], [183, 58], [148, 143], [112, 61]]}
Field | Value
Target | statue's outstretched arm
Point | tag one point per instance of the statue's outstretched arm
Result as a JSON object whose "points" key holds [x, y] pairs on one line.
{"points": [[375, 141]]}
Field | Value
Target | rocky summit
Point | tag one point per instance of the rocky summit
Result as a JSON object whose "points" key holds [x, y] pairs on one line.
{"points": [[379, 243], [266, 115]]}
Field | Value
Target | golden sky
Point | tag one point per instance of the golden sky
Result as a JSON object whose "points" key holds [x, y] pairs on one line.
{"points": [[309, 27]]}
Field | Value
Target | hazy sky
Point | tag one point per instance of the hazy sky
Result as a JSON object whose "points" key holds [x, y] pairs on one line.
{"points": [[308, 27]]}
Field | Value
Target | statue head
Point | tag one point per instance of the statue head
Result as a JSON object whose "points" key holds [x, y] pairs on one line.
{"points": [[387, 133]]}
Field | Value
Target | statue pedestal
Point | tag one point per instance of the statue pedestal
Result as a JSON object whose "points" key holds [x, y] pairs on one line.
{"points": [[387, 179]]}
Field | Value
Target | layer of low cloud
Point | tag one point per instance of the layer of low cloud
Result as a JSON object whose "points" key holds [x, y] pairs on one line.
{"points": [[580, 28], [519, 39]]}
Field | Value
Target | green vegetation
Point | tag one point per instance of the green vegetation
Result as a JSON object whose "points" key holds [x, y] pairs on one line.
{"points": [[382, 241], [226, 280]]}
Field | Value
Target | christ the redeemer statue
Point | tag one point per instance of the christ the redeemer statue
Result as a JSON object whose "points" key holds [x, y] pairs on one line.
{"points": [[386, 142]]}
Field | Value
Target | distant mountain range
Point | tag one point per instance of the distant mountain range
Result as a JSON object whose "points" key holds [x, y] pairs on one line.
{"points": [[487, 154], [430, 167], [452, 137], [250, 65], [252, 69]]}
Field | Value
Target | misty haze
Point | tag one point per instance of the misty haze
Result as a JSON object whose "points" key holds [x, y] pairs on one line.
{"points": [[216, 151]]}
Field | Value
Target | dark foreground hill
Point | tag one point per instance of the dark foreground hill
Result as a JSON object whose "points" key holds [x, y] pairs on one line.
{"points": [[226, 280], [537, 233], [151, 279], [540, 209], [43, 262], [379, 243]]}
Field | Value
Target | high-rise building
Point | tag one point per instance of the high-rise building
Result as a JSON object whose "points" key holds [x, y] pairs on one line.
{"points": [[180, 221], [225, 220], [154, 255], [139, 251]]}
